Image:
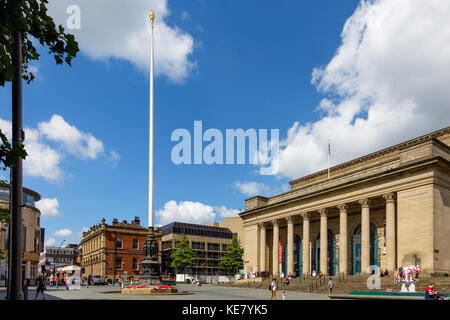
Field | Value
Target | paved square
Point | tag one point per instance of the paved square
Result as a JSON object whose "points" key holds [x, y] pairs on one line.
{"points": [[204, 292]]}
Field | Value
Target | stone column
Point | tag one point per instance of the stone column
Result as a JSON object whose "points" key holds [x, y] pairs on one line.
{"points": [[365, 235], [275, 263], [343, 238], [262, 247], [290, 245], [390, 231], [305, 251], [323, 242]]}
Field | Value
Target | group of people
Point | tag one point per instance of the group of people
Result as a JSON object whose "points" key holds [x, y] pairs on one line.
{"points": [[410, 274], [273, 291]]}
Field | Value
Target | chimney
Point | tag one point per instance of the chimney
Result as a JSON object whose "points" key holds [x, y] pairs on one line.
{"points": [[137, 221], [115, 221]]}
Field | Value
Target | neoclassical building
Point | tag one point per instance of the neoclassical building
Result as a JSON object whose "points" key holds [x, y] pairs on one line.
{"points": [[388, 209]]}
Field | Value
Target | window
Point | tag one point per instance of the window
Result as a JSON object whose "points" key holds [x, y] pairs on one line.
{"points": [[135, 244], [118, 242], [135, 263], [119, 263], [213, 246], [6, 238], [198, 245]]}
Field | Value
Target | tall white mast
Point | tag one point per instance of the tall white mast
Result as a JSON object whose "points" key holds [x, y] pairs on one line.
{"points": [[151, 179]]}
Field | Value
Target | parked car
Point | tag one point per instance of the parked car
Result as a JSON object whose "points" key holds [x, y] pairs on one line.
{"points": [[96, 279]]}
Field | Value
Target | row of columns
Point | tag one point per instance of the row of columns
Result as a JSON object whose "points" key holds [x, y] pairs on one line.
{"points": [[343, 239]]}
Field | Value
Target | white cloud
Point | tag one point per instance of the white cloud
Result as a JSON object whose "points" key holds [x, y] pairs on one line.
{"points": [[63, 233], [252, 188], [114, 158], [192, 212], [48, 207], [185, 16], [224, 212], [120, 30], [81, 144], [388, 82], [43, 159], [50, 242]]}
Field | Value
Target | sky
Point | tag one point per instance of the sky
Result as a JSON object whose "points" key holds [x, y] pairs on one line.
{"points": [[360, 75]]}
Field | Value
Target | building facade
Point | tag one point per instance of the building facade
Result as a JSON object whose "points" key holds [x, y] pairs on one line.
{"points": [[54, 257], [234, 224], [388, 209], [208, 242], [32, 234], [115, 250]]}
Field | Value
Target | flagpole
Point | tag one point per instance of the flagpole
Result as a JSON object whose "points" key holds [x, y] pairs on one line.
{"points": [[151, 194], [329, 151], [150, 271]]}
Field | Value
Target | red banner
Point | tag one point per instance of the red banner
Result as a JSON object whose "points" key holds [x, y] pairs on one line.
{"points": [[280, 251]]}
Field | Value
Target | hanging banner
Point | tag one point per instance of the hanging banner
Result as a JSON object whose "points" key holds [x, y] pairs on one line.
{"points": [[280, 251]]}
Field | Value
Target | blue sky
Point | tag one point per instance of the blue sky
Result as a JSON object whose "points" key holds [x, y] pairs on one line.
{"points": [[291, 66]]}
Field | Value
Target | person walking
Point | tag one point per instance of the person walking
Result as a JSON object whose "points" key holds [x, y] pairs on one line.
{"points": [[273, 290], [66, 282], [52, 278], [330, 286], [40, 287]]}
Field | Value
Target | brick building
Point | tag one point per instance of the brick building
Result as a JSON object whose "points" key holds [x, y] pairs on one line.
{"points": [[113, 250]]}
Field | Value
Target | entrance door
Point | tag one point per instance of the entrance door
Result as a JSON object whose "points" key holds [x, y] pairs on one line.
{"points": [[298, 255], [356, 253], [356, 249], [315, 259], [333, 255]]}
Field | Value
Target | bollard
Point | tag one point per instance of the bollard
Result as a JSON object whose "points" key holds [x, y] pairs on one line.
{"points": [[25, 286]]}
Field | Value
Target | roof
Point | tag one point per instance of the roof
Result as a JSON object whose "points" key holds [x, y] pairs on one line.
{"points": [[197, 229]]}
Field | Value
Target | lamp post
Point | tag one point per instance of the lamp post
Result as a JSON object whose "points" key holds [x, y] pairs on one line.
{"points": [[15, 272], [56, 256]]}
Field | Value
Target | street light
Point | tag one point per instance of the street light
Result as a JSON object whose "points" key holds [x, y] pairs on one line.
{"points": [[54, 260]]}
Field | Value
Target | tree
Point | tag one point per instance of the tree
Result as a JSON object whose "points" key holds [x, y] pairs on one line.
{"points": [[232, 260], [31, 19], [183, 256]]}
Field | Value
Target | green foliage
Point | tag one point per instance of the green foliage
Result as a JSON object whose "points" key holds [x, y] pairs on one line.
{"points": [[9, 155], [183, 256], [30, 17], [232, 260]]}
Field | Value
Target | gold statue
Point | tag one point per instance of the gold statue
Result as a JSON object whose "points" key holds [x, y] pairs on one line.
{"points": [[152, 16]]}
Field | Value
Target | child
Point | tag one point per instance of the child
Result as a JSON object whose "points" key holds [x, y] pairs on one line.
{"points": [[283, 294]]}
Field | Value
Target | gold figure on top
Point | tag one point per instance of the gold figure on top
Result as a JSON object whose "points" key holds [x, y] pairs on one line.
{"points": [[152, 16]]}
